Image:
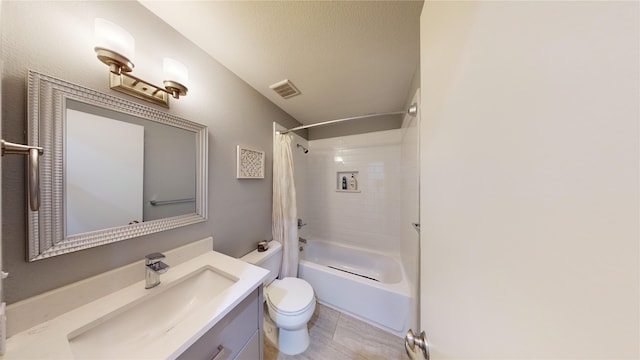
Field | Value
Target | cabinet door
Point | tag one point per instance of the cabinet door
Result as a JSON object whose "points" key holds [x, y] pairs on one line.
{"points": [[251, 351], [230, 335]]}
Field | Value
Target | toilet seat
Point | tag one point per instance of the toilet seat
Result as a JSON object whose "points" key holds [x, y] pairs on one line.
{"points": [[290, 296], [285, 313]]}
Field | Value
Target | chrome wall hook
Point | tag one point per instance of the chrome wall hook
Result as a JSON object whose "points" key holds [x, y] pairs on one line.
{"points": [[33, 174]]}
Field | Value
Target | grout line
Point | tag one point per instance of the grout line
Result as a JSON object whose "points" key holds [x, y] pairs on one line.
{"points": [[335, 328]]}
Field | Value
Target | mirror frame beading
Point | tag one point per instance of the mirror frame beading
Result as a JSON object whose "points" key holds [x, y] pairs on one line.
{"points": [[47, 98]]}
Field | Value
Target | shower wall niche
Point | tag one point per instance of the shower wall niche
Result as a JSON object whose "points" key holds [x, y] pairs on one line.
{"points": [[347, 181]]}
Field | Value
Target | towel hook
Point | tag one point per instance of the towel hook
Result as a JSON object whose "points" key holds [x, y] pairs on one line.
{"points": [[33, 175]]}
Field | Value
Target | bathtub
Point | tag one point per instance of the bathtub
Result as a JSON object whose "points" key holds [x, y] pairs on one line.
{"points": [[367, 285]]}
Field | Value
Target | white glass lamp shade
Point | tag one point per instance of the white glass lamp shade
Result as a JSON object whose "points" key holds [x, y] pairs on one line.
{"points": [[175, 71], [112, 37]]}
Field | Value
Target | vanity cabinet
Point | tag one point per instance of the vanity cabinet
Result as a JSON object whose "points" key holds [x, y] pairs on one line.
{"points": [[236, 336]]}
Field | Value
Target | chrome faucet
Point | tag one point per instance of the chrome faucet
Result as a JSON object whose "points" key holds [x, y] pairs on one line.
{"points": [[153, 268]]}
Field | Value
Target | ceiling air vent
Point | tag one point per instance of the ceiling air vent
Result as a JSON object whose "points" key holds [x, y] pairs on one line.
{"points": [[285, 88]]}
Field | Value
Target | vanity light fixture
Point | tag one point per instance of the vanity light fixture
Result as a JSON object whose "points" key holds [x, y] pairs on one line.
{"points": [[115, 47]]}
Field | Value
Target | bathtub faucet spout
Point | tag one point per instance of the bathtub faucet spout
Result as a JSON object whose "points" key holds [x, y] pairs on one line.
{"points": [[302, 240]]}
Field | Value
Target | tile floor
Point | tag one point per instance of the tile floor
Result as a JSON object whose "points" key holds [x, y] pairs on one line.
{"points": [[337, 336]]}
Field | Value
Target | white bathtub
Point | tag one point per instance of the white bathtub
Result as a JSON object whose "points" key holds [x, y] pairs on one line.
{"points": [[365, 284]]}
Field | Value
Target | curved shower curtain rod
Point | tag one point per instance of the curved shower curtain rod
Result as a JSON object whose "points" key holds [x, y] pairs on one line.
{"points": [[413, 110]]}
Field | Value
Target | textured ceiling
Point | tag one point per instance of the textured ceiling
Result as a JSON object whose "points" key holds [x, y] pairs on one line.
{"points": [[348, 58]]}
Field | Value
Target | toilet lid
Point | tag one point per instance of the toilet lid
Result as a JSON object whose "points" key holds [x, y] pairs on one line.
{"points": [[290, 295]]}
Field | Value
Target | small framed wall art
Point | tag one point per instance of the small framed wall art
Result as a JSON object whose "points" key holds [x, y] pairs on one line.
{"points": [[250, 163]]}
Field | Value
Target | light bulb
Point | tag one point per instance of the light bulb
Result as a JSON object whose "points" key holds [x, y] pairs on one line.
{"points": [[175, 71], [112, 37]]}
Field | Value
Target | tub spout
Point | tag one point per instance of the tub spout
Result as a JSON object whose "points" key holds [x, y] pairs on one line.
{"points": [[302, 240]]}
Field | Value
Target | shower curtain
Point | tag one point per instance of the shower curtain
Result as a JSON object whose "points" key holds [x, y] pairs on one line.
{"points": [[285, 226]]}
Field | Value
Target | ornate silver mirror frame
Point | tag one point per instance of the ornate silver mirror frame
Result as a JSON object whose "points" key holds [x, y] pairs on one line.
{"points": [[46, 115]]}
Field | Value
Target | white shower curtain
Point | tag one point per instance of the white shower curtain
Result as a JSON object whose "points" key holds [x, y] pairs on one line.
{"points": [[285, 226]]}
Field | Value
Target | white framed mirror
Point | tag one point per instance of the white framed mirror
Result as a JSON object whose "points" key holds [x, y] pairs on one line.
{"points": [[112, 169]]}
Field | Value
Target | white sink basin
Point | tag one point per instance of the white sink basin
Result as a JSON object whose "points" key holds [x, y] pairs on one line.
{"points": [[128, 329]]}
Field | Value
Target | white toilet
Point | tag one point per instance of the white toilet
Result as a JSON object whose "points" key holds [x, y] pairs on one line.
{"points": [[290, 301]]}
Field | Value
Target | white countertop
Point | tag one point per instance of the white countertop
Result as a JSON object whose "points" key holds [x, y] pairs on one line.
{"points": [[49, 339]]}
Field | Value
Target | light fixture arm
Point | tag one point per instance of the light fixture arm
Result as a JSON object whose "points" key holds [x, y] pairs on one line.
{"points": [[141, 89], [175, 88], [117, 63], [121, 80], [120, 66]]}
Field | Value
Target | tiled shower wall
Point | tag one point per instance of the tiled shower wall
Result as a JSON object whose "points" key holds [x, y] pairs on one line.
{"points": [[369, 218]]}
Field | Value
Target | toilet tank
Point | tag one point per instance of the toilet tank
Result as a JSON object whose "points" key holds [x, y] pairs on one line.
{"points": [[270, 260]]}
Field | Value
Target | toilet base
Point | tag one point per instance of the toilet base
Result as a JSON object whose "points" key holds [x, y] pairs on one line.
{"points": [[293, 342]]}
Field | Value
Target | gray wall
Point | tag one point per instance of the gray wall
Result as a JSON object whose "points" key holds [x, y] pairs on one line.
{"points": [[56, 38], [415, 85]]}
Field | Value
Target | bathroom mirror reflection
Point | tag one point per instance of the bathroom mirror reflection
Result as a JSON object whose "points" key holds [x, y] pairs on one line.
{"points": [[113, 169], [141, 170]]}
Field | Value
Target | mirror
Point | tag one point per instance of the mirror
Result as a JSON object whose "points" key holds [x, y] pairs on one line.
{"points": [[112, 169]]}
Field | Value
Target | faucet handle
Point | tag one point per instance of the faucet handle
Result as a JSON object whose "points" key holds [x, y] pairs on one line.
{"points": [[153, 258], [159, 267]]}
